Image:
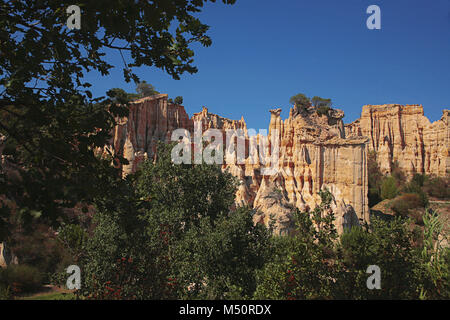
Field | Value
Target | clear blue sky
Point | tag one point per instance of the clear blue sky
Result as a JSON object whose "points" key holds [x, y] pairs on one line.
{"points": [[265, 51]]}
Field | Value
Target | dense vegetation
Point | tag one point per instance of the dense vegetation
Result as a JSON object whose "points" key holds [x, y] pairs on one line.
{"points": [[406, 198], [167, 231], [302, 102], [50, 123]]}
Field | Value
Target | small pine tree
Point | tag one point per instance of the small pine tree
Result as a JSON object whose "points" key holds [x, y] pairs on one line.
{"points": [[300, 100], [145, 89], [178, 100], [388, 188]]}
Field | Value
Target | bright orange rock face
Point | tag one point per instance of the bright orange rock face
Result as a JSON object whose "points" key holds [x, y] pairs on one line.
{"points": [[404, 135]]}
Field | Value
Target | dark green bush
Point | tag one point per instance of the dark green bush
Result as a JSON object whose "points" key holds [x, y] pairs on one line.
{"points": [[417, 215], [414, 188], [323, 110], [438, 187], [301, 101], [419, 179], [178, 100], [5, 292], [21, 278], [387, 244], [388, 188], [375, 178], [40, 249], [398, 173], [404, 203]]}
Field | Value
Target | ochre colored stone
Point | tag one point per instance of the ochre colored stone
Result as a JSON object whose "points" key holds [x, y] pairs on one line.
{"points": [[404, 135], [313, 154]]}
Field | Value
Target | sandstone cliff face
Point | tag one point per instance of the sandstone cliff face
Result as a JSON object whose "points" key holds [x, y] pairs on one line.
{"points": [[403, 134], [313, 154], [150, 120]]}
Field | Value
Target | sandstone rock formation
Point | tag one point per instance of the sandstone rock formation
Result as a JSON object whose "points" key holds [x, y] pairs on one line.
{"points": [[404, 135], [150, 120], [313, 154]]}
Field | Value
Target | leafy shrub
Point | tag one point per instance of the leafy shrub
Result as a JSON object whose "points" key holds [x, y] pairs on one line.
{"points": [[404, 203], [438, 187], [387, 244], [40, 249], [435, 257], [5, 293], [169, 234], [398, 173], [145, 89], [299, 266], [178, 100], [419, 179], [73, 237], [323, 110], [414, 188], [301, 101], [388, 188], [417, 215], [21, 278], [375, 178], [322, 105]]}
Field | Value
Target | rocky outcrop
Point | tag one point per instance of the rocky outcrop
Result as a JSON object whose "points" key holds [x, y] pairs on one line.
{"points": [[404, 135], [150, 120], [312, 154]]}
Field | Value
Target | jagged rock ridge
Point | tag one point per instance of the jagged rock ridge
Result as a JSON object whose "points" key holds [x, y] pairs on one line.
{"points": [[313, 154], [402, 134]]}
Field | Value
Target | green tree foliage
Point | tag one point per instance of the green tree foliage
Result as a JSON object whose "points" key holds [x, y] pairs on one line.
{"points": [[39, 248], [170, 234], [398, 174], [388, 188], [389, 246], [219, 261], [153, 241], [73, 237], [438, 187], [408, 271], [435, 257], [50, 119], [419, 179], [301, 101], [178, 100], [301, 266], [120, 96], [415, 186], [20, 279], [375, 177], [322, 105], [5, 292], [319, 102], [145, 89], [409, 205], [313, 265]]}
